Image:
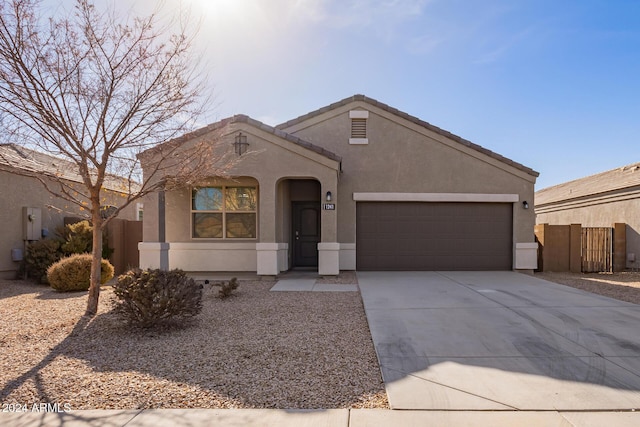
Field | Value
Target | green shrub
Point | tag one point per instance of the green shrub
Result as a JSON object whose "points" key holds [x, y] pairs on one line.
{"points": [[74, 273], [78, 239], [227, 288], [151, 297], [39, 256]]}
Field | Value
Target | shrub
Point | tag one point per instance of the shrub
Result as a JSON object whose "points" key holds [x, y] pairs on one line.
{"points": [[39, 256], [227, 288], [71, 239], [151, 297], [78, 239], [74, 273]]}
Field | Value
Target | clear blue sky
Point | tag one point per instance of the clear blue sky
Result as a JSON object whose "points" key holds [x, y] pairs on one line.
{"points": [[552, 84]]}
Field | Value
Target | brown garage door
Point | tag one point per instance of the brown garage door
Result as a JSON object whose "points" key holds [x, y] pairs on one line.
{"points": [[433, 236]]}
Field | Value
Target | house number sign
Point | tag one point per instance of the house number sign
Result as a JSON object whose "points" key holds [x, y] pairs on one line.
{"points": [[329, 206]]}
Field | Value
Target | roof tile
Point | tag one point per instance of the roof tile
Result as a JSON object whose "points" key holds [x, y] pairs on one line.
{"points": [[242, 118], [35, 162], [601, 183]]}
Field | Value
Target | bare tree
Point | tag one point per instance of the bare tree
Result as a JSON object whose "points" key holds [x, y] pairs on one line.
{"points": [[97, 90]]}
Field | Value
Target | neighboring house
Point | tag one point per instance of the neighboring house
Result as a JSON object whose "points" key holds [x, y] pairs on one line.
{"points": [[28, 211], [597, 201], [354, 185]]}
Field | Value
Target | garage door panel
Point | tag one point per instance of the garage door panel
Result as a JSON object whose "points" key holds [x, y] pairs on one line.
{"points": [[433, 236]]}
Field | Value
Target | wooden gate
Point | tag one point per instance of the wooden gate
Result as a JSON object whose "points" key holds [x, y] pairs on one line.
{"points": [[597, 249]]}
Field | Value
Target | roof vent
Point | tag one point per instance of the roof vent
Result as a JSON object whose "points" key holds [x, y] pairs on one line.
{"points": [[358, 126]]}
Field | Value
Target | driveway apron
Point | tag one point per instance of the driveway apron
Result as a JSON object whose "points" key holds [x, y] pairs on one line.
{"points": [[500, 341]]}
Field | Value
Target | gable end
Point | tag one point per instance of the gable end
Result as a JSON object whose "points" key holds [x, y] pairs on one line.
{"points": [[362, 98]]}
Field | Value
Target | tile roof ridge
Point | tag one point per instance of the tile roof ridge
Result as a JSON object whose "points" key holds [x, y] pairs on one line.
{"points": [[632, 167], [19, 150]]}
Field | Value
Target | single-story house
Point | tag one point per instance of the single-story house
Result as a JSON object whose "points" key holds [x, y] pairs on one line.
{"points": [[28, 211], [599, 200], [356, 185]]}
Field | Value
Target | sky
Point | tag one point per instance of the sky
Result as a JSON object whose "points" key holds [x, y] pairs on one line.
{"points": [[551, 84]]}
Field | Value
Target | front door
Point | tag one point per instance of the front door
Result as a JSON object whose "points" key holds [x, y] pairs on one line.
{"points": [[306, 233]]}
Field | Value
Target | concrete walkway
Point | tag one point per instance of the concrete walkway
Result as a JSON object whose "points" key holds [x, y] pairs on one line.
{"points": [[505, 341], [306, 281], [320, 418]]}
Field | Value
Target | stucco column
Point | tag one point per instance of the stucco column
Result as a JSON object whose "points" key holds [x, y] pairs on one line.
{"points": [[575, 248], [267, 211], [267, 250], [150, 222], [271, 258], [329, 217], [154, 255], [154, 251], [329, 248], [328, 259], [619, 246], [526, 256]]}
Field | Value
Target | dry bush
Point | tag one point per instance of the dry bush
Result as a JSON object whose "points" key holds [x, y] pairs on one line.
{"points": [[151, 297], [227, 288]]}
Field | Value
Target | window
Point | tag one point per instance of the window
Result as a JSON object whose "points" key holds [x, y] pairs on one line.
{"points": [[224, 212], [139, 211], [358, 127]]}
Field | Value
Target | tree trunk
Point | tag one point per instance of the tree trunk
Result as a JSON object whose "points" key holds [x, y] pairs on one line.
{"points": [[96, 252]]}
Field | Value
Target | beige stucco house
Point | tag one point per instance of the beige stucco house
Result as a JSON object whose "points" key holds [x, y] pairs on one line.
{"points": [[599, 200], [28, 211], [354, 185]]}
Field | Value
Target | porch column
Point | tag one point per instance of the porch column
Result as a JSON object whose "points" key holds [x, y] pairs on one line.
{"points": [[154, 255], [329, 248], [154, 251], [328, 259], [267, 250], [271, 258], [526, 256]]}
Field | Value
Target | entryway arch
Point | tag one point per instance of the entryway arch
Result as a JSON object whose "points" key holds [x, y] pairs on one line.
{"points": [[299, 219]]}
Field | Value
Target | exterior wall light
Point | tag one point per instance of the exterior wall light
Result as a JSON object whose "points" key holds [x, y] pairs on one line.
{"points": [[240, 145], [328, 196], [525, 204]]}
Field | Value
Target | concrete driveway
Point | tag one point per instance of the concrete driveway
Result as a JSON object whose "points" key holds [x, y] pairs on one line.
{"points": [[501, 341]]}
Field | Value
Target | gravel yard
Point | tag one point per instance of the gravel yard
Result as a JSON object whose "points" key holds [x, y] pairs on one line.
{"points": [[624, 286], [257, 349]]}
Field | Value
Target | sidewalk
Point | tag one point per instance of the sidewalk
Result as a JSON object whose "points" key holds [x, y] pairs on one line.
{"points": [[316, 418]]}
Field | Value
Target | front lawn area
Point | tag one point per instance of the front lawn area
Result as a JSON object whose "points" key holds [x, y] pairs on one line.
{"points": [[256, 349]]}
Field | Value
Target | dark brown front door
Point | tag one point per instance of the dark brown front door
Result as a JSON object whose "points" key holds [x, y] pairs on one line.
{"points": [[306, 233]]}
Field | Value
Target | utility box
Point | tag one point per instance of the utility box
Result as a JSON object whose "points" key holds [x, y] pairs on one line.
{"points": [[16, 254], [31, 223]]}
